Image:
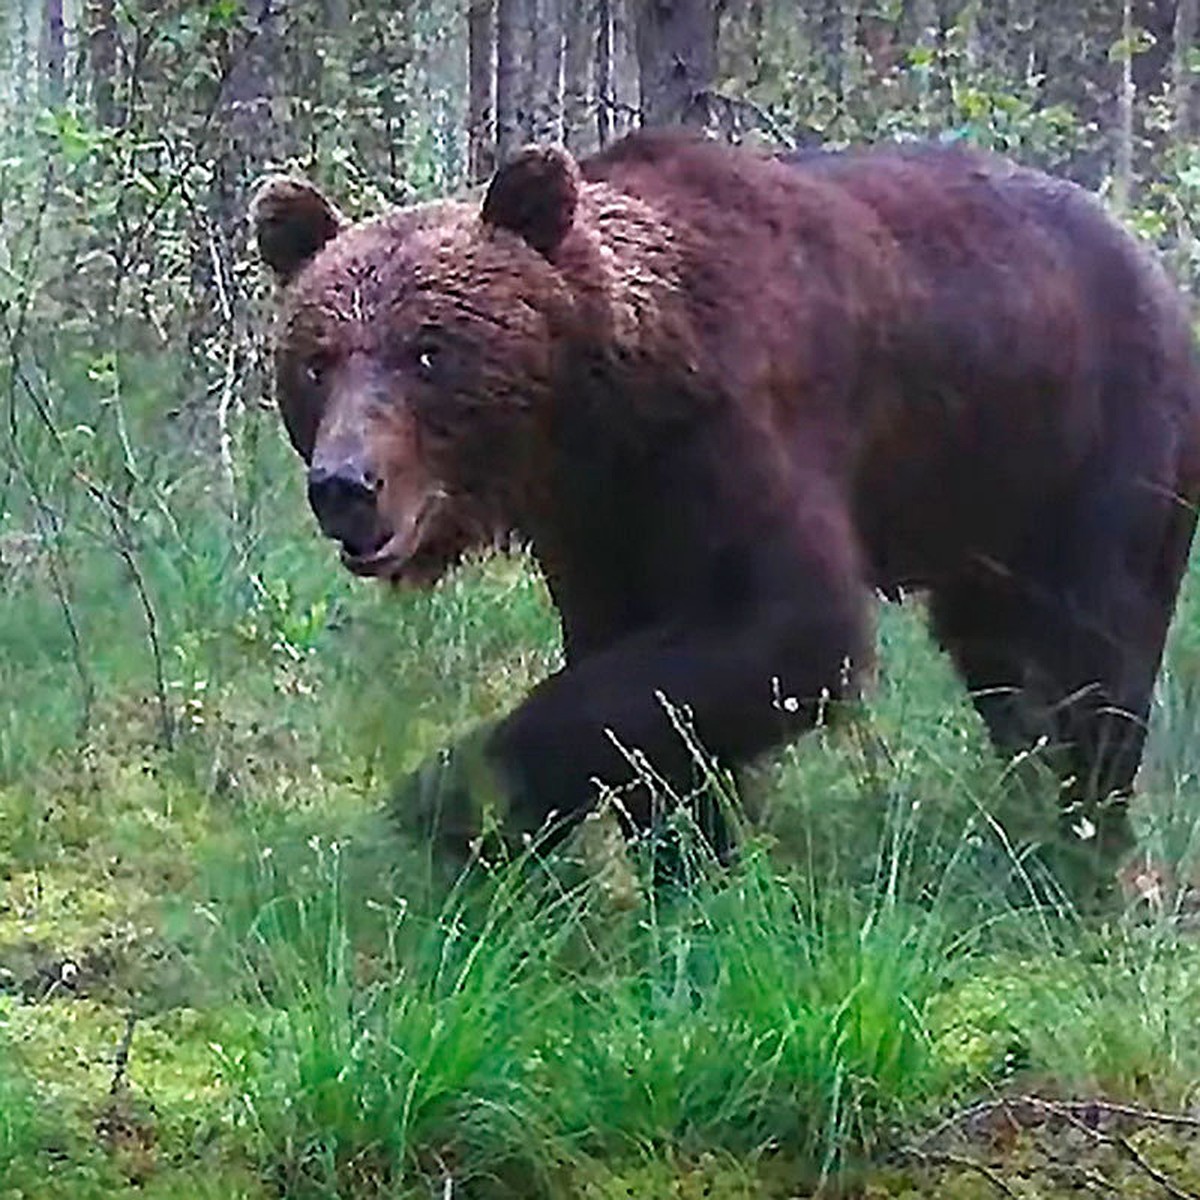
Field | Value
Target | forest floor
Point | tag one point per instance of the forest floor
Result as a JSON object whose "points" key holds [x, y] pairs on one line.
{"points": [[222, 976]]}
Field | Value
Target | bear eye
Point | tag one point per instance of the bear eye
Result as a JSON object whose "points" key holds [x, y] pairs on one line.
{"points": [[314, 372], [426, 356]]}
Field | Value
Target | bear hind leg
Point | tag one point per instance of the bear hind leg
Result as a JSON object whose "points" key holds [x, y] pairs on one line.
{"points": [[1075, 667]]}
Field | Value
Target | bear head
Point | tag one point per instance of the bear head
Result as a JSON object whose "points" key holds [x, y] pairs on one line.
{"points": [[414, 359]]}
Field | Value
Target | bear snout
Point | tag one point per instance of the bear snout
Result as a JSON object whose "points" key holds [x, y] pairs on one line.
{"points": [[344, 500]]}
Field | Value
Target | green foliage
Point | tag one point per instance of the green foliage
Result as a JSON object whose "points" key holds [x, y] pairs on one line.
{"points": [[19, 1132], [517, 1033]]}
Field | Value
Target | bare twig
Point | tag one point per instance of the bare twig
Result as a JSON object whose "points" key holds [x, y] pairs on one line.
{"points": [[228, 382], [117, 515], [121, 1057], [1011, 1106], [1078, 1176], [711, 99], [944, 1159], [1081, 1115], [1126, 1148], [49, 528]]}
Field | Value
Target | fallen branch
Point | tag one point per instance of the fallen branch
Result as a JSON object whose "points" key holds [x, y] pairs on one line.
{"points": [[943, 1159], [1073, 1110], [1033, 1113]]}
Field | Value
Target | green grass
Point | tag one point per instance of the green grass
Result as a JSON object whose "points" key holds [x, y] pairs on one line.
{"points": [[316, 1015]]}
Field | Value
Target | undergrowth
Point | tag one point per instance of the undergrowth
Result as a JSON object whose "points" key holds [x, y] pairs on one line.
{"points": [[193, 867]]}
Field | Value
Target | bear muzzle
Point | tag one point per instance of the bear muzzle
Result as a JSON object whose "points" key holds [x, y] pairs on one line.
{"points": [[410, 551], [344, 499]]}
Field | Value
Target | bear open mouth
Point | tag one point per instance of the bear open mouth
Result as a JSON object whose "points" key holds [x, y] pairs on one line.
{"points": [[424, 565], [408, 555]]}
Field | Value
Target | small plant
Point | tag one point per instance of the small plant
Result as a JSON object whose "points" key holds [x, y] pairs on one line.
{"points": [[20, 1133]]}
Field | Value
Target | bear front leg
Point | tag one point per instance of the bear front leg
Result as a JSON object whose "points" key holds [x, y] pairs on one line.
{"points": [[741, 689]]}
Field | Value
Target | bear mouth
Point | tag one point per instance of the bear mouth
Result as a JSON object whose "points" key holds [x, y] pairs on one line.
{"points": [[407, 556], [422, 566]]}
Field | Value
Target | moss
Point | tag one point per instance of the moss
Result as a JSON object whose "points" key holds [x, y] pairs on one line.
{"points": [[171, 1113], [709, 1177], [104, 1180]]}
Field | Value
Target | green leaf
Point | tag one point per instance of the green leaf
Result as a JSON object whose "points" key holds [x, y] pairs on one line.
{"points": [[76, 142], [1138, 42], [224, 14]]}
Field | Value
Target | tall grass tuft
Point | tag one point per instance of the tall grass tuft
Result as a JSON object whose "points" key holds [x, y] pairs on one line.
{"points": [[520, 1031]]}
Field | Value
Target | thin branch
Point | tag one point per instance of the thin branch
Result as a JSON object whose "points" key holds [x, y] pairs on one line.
{"points": [[712, 99], [934, 1158], [48, 524], [1079, 1114], [121, 1057], [1126, 1148]]}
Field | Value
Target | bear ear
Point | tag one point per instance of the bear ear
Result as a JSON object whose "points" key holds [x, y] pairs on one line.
{"points": [[291, 222], [534, 195]]}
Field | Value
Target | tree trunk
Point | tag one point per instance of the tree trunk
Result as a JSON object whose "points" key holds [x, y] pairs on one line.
{"points": [[526, 67], [919, 34], [605, 93], [829, 38], [508, 77], [101, 29], [850, 53], [579, 33], [1123, 165], [250, 91], [1184, 36], [627, 71], [677, 59], [546, 70], [481, 76], [53, 53], [1155, 19], [249, 136]]}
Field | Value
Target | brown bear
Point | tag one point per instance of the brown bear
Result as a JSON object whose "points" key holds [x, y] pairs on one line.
{"points": [[725, 397]]}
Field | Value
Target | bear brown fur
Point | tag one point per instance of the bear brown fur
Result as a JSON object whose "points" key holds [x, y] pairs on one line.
{"points": [[724, 397]]}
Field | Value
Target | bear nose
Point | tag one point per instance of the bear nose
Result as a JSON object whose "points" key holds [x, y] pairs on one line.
{"points": [[343, 499]]}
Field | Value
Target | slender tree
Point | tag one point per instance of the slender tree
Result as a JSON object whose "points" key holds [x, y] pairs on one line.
{"points": [[676, 44], [579, 36], [1183, 40], [53, 53], [918, 31], [481, 116], [508, 77], [1123, 166], [627, 73], [827, 18], [604, 74], [101, 27], [546, 62]]}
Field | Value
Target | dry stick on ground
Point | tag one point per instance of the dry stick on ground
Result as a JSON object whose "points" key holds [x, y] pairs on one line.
{"points": [[938, 1158], [1017, 1110], [1076, 1176], [1128, 1150], [121, 1057], [1011, 1106]]}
